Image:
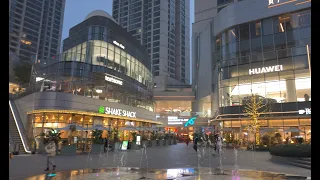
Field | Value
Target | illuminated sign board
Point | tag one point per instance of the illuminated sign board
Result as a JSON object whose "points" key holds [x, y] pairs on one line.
{"points": [[306, 111], [118, 44], [272, 2], [117, 112], [268, 69], [190, 121], [113, 79], [174, 120]]}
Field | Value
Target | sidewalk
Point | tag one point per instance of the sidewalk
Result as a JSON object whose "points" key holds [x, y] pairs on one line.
{"points": [[173, 156]]}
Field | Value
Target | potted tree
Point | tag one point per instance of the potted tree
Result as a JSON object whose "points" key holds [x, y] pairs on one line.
{"points": [[97, 141], [153, 139], [144, 140], [170, 139], [160, 140], [174, 139], [133, 144], [166, 139]]}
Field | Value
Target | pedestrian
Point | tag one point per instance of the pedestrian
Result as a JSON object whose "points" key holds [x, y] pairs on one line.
{"points": [[106, 144], [51, 152], [187, 142], [195, 144]]}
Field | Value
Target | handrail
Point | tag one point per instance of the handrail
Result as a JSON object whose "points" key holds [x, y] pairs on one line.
{"points": [[18, 125]]}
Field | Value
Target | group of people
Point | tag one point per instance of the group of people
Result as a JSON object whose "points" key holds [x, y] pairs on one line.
{"points": [[217, 143]]}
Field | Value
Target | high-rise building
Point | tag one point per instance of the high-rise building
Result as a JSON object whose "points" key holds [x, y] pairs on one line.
{"points": [[35, 28], [163, 28]]}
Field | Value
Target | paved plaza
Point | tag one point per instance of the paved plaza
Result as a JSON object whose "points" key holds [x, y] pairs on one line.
{"points": [[174, 156]]}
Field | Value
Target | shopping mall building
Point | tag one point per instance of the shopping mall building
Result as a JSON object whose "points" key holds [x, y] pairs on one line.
{"points": [[250, 47], [102, 78], [173, 107]]}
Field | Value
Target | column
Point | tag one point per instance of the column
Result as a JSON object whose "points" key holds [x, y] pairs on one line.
{"points": [[291, 95]]}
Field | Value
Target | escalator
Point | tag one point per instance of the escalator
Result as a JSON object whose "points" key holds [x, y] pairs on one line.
{"points": [[17, 133]]}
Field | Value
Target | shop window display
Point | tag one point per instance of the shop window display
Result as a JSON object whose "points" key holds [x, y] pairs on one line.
{"points": [[280, 73]]}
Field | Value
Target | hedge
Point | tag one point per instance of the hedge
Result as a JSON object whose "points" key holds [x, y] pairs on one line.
{"points": [[291, 150]]}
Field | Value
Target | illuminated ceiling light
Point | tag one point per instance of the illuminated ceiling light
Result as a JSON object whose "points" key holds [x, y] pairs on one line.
{"points": [[81, 119], [90, 120], [47, 117], [98, 91], [281, 26]]}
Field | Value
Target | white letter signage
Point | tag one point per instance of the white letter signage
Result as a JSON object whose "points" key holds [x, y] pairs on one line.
{"points": [[262, 70], [117, 112], [118, 44], [109, 78]]}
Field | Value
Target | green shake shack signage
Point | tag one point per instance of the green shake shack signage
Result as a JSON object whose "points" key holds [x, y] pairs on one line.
{"points": [[117, 112]]}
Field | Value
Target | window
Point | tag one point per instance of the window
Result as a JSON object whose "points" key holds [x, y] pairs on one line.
{"points": [[267, 26], [244, 32]]}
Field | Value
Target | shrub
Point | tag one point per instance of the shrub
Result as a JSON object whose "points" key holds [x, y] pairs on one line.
{"points": [[291, 150]]}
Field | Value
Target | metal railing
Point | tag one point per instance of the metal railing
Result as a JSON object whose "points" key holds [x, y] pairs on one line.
{"points": [[20, 127]]}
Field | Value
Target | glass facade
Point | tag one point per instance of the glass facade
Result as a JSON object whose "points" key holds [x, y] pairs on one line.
{"points": [[269, 57], [101, 53]]}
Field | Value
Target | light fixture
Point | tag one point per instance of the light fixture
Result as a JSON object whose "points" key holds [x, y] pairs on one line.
{"points": [[81, 119], [98, 91], [90, 120], [281, 26]]}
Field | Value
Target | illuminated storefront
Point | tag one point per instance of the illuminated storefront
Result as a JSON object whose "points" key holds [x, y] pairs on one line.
{"points": [[45, 120], [267, 54]]}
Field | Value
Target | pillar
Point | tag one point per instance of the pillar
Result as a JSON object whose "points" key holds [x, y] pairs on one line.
{"points": [[291, 95]]}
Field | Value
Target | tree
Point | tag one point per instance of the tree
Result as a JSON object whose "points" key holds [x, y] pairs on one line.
{"points": [[253, 108], [22, 72]]}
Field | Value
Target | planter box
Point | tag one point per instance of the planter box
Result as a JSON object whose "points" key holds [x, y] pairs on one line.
{"points": [[117, 145], [291, 150], [144, 142], [68, 150], [134, 145], [153, 143], [161, 142], [96, 148], [165, 142]]}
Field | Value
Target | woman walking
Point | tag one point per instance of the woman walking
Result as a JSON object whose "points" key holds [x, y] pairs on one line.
{"points": [[187, 142], [51, 152]]}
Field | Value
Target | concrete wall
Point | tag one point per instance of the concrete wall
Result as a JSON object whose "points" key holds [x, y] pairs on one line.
{"points": [[65, 101]]}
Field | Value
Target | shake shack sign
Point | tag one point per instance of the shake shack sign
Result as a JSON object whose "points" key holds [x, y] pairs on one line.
{"points": [[268, 69], [117, 112]]}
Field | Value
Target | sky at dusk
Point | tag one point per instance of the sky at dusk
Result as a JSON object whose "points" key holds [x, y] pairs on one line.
{"points": [[77, 10]]}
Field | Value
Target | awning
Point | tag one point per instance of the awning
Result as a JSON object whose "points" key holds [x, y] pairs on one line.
{"points": [[98, 127], [263, 130], [68, 127], [293, 130]]}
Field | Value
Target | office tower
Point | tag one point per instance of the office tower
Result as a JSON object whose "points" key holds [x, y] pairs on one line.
{"points": [[162, 27], [35, 28]]}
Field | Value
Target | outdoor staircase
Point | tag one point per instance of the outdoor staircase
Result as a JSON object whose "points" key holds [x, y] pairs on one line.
{"points": [[299, 162], [16, 137]]}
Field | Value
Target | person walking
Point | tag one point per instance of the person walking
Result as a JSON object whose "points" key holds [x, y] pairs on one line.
{"points": [[51, 152], [195, 144], [106, 145], [187, 142]]}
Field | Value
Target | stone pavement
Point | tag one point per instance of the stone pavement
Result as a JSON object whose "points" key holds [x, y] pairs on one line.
{"points": [[174, 156]]}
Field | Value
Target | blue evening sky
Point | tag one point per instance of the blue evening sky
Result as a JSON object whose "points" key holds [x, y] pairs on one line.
{"points": [[77, 10]]}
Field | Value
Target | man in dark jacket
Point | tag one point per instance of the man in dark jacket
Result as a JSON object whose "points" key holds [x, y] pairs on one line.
{"points": [[195, 144]]}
